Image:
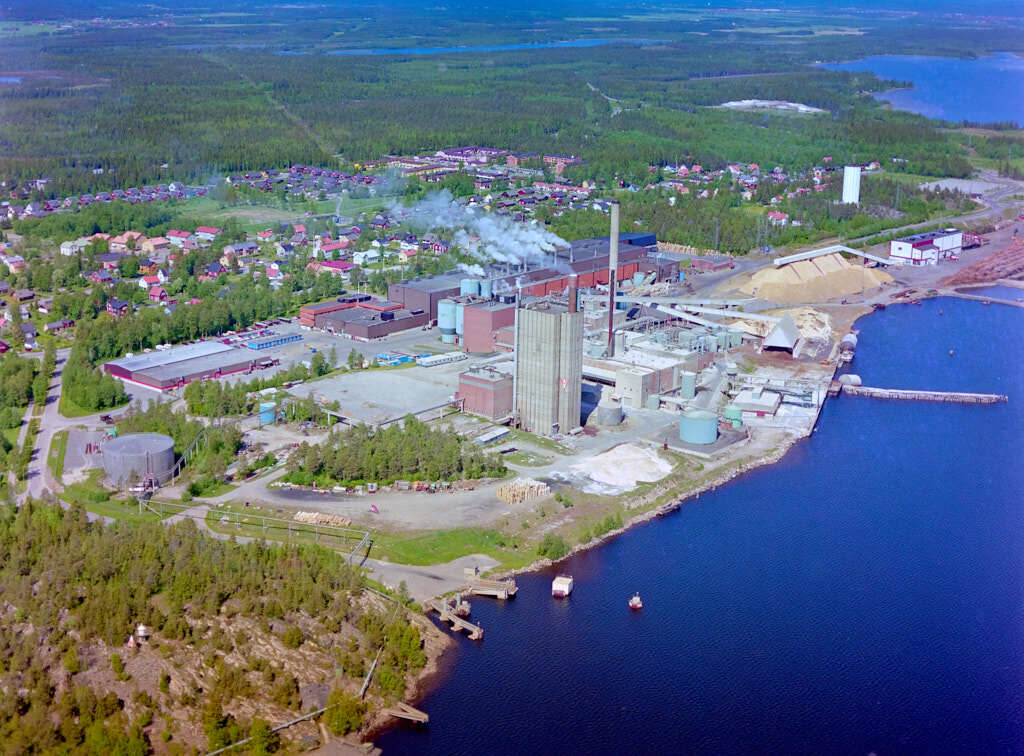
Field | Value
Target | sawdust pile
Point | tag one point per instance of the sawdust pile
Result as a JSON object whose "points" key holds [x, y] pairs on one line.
{"points": [[813, 324], [817, 280]]}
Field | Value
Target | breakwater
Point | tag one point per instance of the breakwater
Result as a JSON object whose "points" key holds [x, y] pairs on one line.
{"points": [[956, 397]]}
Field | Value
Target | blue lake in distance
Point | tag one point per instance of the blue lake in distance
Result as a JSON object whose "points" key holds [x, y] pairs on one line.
{"points": [[984, 90], [865, 594]]}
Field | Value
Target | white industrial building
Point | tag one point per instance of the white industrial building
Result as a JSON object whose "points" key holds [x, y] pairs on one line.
{"points": [[851, 185], [927, 248]]}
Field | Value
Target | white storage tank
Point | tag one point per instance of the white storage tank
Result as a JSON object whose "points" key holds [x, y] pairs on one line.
{"points": [[698, 427], [446, 320]]}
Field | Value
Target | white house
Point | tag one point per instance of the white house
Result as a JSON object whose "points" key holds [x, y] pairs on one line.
{"points": [[72, 248]]}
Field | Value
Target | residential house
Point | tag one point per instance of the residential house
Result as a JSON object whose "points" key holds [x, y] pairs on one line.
{"points": [[159, 246], [23, 295], [207, 233], [148, 282], [100, 276], [148, 267], [116, 307], [238, 248], [72, 248], [57, 326], [334, 267], [109, 260], [178, 238], [45, 305], [777, 218], [127, 242], [15, 263], [284, 249], [266, 236], [157, 294]]}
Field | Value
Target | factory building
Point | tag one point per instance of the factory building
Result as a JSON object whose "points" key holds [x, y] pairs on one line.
{"points": [[173, 368], [549, 366], [361, 317], [926, 248], [486, 391], [587, 258], [366, 323], [277, 339], [481, 323]]}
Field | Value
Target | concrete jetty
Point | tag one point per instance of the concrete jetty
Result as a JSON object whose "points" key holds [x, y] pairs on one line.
{"points": [[959, 397], [447, 613], [403, 710], [499, 589]]}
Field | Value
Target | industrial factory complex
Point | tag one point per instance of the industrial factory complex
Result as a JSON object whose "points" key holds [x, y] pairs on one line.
{"points": [[585, 336]]}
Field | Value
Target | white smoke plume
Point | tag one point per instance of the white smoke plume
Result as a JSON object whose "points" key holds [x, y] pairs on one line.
{"points": [[484, 237]]}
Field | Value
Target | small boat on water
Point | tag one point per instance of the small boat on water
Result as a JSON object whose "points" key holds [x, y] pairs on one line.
{"points": [[986, 303], [635, 603], [561, 586]]}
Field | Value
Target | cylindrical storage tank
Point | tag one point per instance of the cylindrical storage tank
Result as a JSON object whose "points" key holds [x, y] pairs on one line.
{"points": [[687, 385], [848, 343], [620, 342], [460, 315], [486, 290], [469, 286], [446, 320], [732, 369], [723, 340], [850, 379], [137, 455], [698, 427], [638, 278], [682, 275], [735, 338], [267, 412], [737, 424], [733, 414], [653, 402]]}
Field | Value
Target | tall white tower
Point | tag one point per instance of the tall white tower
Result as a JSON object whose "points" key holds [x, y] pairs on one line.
{"points": [[851, 185]]}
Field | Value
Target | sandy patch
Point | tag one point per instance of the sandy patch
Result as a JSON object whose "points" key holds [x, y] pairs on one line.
{"points": [[618, 470]]}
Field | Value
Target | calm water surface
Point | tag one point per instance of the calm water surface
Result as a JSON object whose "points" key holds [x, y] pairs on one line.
{"points": [[985, 90], [865, 594]]}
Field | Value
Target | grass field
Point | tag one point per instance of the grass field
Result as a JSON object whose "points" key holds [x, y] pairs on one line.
{"points": [[55, 459]]}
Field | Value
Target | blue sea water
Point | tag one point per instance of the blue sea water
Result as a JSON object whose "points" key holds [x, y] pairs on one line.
{"points": [[10, 79], [985, 90], [1009, 293], [865, 594]]}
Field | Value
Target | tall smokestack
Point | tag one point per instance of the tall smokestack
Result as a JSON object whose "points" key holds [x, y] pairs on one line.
{"points": [[613, 274], [572, 293]]}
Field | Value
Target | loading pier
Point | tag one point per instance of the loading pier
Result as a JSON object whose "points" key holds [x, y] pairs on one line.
{"points": [[403, 710], [959, 397], [446, 611], [499, 589]]}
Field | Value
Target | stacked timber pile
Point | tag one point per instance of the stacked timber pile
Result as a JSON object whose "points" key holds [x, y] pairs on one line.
{"points": [[1007, 262], [323, 518], [522, 489], [685, 249]]}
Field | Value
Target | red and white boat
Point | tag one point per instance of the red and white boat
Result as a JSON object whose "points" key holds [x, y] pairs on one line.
{"points": [[635, 603]]}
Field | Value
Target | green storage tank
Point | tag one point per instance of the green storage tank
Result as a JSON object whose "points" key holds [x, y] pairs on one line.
{"points": [[734, 414], [698, 427]]}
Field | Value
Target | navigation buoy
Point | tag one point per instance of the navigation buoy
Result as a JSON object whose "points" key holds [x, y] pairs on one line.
{"points": [[950, 352]]}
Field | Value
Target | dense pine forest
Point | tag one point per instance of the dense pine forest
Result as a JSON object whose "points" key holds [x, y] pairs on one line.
{"points": [[238, 634], [268, 89]]}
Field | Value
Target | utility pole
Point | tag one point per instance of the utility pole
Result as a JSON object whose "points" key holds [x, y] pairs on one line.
{"points": [[716, 234]]}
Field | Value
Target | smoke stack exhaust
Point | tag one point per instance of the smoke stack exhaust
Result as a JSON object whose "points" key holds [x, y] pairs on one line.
{"points": [[613, 275], [573, 297]]}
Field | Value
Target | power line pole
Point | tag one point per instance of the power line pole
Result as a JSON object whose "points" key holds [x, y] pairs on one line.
{"points": [[716, 234]]}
